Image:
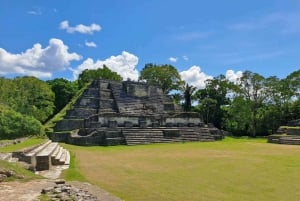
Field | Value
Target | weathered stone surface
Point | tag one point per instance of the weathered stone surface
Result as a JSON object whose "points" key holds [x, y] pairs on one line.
{"points": [[68, 192]]}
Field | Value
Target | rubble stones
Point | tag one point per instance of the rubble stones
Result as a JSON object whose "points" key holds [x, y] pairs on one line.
{"points": [[63, 191], [5, 174]]}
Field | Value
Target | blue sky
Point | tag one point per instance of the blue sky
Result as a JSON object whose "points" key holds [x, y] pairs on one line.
{"points": [[202, 39]]}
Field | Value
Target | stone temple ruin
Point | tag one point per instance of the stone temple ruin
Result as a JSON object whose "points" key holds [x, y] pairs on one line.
{"points": [[289, 134], [129, 113]]}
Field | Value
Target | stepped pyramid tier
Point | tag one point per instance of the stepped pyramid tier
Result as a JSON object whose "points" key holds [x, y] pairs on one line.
{"points": [[113, 113], [289, 134]]}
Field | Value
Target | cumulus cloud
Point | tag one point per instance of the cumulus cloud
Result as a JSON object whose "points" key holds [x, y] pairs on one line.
{"points": [[124, 65], [64, 25], [233, 76], [90, 44], [37, 61], [194, 76], [173, 59]]}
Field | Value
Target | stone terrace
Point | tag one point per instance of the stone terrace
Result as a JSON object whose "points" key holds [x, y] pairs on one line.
{"points": [[44, 156], [289, 134]]}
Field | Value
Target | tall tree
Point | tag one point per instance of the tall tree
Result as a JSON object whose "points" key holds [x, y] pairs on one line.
{"points": [[216, 89], [188, 92], [252, 88], [64, 91], [33, 97], [166, 76], [100, 73], [208, 107]]}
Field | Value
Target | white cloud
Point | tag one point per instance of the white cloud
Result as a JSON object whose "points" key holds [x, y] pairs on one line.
{"points": [[195, 77], [90, 44], [233, 76], [37, 61], [35, 11], [173, 59], [64, 25], [124, 65], [185, 57]]}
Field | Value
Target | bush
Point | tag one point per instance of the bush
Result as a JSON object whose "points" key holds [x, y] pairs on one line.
{"points": [[13, 124]]}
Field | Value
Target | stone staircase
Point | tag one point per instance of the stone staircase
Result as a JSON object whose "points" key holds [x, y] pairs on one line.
{"points": [[292, 140], [146, 136], [44, 156], [199, 134], [136, 136]]}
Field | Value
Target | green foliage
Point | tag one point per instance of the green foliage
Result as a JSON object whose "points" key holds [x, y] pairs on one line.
{"points": [[64, 90], [166, 76], [14, 124], [104, 73], [49, 125], [214, 95], [208, 108], [28, 96], [188, 92]]}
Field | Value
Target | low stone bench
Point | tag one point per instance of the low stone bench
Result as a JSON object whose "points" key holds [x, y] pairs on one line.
{"points": [[43, 158]]}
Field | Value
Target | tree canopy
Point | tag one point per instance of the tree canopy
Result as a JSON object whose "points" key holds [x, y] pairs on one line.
{"points": [[166, 76], [28, 96], [91, 74], [64, 90]]}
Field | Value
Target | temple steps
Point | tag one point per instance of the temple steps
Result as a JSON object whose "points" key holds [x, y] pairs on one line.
{"points": [[295, 140], [44, 156], [150, 135]]}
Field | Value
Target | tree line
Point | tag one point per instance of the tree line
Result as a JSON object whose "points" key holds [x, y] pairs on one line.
{"points": [[253, 105]]}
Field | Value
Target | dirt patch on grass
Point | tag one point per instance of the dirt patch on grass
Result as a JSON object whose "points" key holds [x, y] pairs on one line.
{"points": [[31, 190], [23, 191]]}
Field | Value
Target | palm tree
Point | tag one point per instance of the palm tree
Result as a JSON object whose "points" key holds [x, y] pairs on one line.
{"points": [[188, 91]]}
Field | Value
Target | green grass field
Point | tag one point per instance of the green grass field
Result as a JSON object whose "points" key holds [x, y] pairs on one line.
{"points": [[229, 170], [25, 144]]}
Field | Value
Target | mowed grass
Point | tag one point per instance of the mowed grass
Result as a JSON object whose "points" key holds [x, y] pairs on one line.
{"points": [[229, 170], [25, 144]]}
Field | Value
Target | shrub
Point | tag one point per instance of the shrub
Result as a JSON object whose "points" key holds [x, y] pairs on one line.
{"points": [[13, 124]]}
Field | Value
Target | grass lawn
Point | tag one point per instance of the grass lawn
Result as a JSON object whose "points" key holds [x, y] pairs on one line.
{"points": [[25, 144], [229, 170], [20, 173]]}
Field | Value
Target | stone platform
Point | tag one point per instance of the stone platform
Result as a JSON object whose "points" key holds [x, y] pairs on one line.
{"points": [[44, 156], [289, 134]]}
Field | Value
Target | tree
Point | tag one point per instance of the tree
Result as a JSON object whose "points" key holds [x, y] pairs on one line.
{"points": [[166, 76], [217, 89], [13, 124], [188, 91], [238, 117], [64, 90], [101, 73], [252, 88], [33, 97], [208, 107]]}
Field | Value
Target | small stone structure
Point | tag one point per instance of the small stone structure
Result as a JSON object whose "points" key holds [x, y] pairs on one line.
{"points": [[44, 156], [114, 113], [289, 134]]}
